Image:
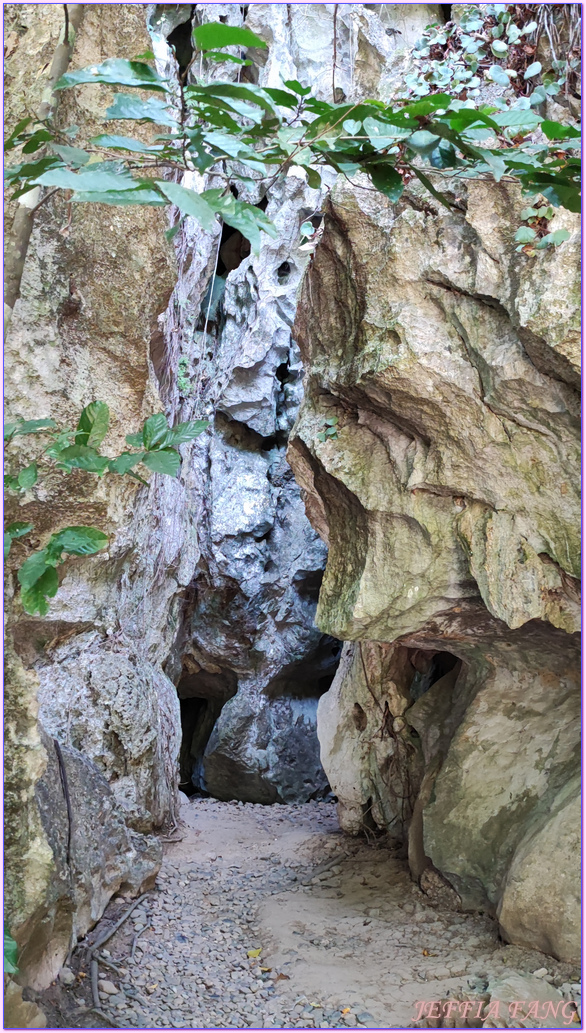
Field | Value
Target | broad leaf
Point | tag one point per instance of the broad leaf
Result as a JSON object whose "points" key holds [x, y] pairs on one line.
{"points": [[34, 598], [15, 530], [429, 186], [534, 69], [28, 476], [524, 118], [142, 195], [559, 131], [116, 72], [12, 430], [77, 541], [82, 457], [186, 431], [124, 463], [247, 218], [151, 110], [93, 424], [88, 180], [524, 234], [190, 203], [125, 143], [155, 431], [166, 460], [72, 155], [386, 179], [498, 75], [135, 439], [33, 568], [10, 953], [216, 35]]}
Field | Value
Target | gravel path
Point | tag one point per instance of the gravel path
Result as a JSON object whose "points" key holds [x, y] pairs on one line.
{"points": [[269, 917]]}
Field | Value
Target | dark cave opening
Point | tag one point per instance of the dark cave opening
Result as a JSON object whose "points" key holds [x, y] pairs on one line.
{"points": [[430, 667], [310, 677], [181, 42], [202, 694]]}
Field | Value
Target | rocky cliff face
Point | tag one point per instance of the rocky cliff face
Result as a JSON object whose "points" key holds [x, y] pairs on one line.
{"points": [[449, 500]]}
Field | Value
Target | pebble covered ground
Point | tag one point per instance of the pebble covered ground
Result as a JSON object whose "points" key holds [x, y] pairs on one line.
{"points": [[269, 917]]}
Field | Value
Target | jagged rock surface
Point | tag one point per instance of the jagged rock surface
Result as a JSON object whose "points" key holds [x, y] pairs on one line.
{"points": [[449, 500]]}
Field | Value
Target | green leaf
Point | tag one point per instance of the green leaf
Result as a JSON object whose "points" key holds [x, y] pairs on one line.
{"points": [[72, 155], [142, 195], [558, 131], [558, 236], [88, 180], [10, 950], [220, 56], [135, 439], [525, 118], [429, 186], [534, 69], [190, 203], [125, 143], [165, 460], [116, 72], [247, 218], [77, 541], [499, 47], [11, 483], [18, 528], [293, 84], [15, 530], [37, 140], [498, 75], [331, 421], [528, 213], [82, 457], [12, 141], [127, 460], [12, 430], [216, 35], [34, 598], [282, 97], [33, 568], [151, 110], [186, 431], [313, 178], [93, 424], [155, 431], [386, 179], [525, 234], [28, 476]]}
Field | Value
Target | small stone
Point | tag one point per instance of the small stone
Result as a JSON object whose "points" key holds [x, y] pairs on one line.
{"points": [[107, 987], [540, 973], [364, 1016], [66, 976]]}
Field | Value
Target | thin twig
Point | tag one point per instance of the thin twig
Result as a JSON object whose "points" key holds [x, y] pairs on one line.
{"points": [[94, 974], [104, 1015], [63, 776], [66, 29], [110, 932], [109, 964]]}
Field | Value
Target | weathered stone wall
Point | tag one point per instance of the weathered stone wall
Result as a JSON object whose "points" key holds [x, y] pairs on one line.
{"points": [[94, 283], [449, 500]]}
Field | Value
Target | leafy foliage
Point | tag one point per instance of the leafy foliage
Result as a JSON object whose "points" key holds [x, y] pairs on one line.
{"points": [[10, 953], [242, 133], [68, 450], [535, 235]]}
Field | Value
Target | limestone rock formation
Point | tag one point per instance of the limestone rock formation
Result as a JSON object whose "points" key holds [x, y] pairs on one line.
{"points": [[449, 500]]}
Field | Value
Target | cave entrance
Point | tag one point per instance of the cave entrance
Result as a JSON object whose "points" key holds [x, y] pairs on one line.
{"points": [[202, 694], [431, 667]]}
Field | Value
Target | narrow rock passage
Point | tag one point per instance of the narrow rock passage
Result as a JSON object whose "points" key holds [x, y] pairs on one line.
{"points": [[269, 917]]}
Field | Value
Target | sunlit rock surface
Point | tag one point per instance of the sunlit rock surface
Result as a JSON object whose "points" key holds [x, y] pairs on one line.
{"points": [[449, 499]]}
